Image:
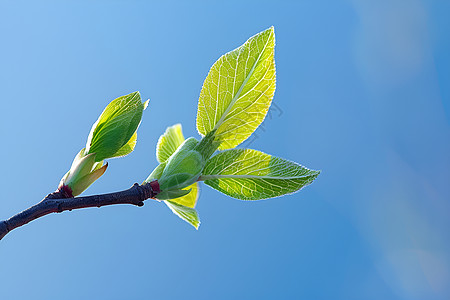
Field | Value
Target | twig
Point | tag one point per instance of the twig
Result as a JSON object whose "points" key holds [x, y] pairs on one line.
{"points": [[134, 195]]}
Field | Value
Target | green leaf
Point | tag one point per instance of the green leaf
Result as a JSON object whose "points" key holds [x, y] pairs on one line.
{"points": [[169, 142], [115, 127], [171, 194], [128, 147], [84, 182], [238, 91], [188, 214], [167, 145], [252, 175], [189, 200], [183, 167], [81, 166]]}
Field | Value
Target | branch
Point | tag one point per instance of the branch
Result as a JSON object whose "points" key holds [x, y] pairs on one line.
{"points": [[56, 203]]}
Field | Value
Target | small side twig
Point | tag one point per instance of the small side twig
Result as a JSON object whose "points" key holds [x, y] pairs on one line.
{"points": [[136, 195]]}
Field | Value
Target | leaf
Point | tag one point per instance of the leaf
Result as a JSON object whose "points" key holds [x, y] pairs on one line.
{"points": [[171, 194], [188, 214], [128, 147], [84, 182], [238, 91], [81, 166], [183, 167], [252, 175], [115, 127], [190, 200], [169, 142]]}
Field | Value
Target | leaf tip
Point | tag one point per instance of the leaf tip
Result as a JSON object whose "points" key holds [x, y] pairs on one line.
{"points": [[146, 103], [270, 30]]}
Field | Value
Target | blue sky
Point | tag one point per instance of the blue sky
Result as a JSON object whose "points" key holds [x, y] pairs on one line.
{"points": [[362, 93]]}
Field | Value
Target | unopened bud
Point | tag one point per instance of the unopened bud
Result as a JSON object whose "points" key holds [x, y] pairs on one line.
{"points": [[183, 168]]}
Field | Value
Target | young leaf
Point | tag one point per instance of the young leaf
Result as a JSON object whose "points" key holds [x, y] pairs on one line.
{"points": [[238, 91], [115, 127], [187, 196], [188, 214], [84, 182], [183, 167], [112, 135], [171, 194], [128, 147], [169, 142], [252, 175], [190, 200]]}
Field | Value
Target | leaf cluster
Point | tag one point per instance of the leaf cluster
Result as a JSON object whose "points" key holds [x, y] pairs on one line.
{"points": [[234, 100]]}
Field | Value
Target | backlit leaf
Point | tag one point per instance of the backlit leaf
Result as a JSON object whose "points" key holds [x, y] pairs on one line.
{"points": [[252, 175], [238, 91], [169, 142], [128, 147], [188, 214], [190, 199], [115, 127]]}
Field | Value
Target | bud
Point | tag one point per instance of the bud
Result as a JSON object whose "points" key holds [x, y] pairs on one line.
{"points": [[83, 172], [172, 194], [112, 135], [183, 168]]}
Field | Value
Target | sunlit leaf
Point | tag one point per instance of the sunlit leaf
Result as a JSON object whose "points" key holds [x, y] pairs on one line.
{"points": [[238, 91], [128, 147], [188, 214], [252, 175], [169, 142], [115, 127], [190, 199]]}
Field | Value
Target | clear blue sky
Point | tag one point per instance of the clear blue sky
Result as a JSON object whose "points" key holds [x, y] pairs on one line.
{"points": [[363, 94]]}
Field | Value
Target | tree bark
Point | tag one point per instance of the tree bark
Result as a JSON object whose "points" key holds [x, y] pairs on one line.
{"points": [[56, 203]]}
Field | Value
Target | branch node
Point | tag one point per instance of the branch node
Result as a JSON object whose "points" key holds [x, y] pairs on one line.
{"points": [[143, 191]]}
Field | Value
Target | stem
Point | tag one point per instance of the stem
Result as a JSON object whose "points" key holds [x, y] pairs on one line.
{"points": [[134, 195], [208, 145]]}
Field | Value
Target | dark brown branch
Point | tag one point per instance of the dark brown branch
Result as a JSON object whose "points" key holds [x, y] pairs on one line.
{"points": [[134, 195]]}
